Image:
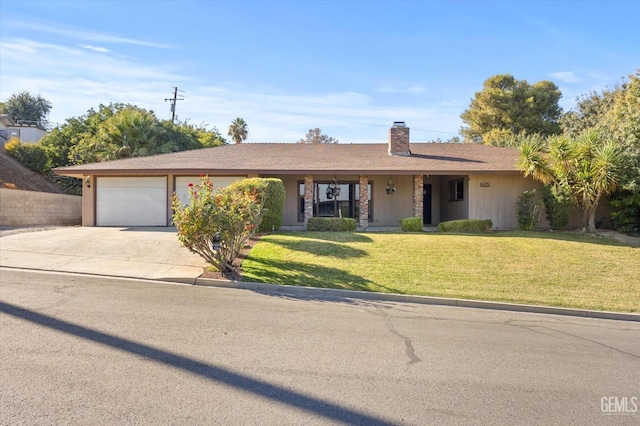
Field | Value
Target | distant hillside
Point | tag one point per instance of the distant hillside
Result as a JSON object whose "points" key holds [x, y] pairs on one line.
{"points": [[14, 175]]}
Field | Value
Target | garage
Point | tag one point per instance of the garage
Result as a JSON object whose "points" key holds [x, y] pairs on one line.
{"points": [[183, 182], [131, 201]]}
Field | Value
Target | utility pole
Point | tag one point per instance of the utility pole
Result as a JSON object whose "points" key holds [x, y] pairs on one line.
{"points": [[173, 102]]}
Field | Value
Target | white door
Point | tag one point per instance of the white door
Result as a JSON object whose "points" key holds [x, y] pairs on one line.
{"points": [[131, 201], [182, 184]]}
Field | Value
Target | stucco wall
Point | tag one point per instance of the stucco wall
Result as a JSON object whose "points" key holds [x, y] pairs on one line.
{"points": [[22, 208]]}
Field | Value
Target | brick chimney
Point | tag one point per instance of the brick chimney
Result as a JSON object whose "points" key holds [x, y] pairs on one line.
{"points": [[399, 139]]}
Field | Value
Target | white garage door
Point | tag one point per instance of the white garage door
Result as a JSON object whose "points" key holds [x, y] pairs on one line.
{"points": [[182, 184], [131, 201]]}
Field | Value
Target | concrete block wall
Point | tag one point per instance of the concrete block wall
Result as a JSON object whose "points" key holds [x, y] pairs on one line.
{"points": [[23, 208]]}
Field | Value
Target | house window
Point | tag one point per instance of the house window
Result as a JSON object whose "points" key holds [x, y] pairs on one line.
{"points": [[347, 204], [456, 190]]}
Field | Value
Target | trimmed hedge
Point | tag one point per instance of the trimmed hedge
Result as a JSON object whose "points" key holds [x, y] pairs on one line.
{"points": [[466, 225], [333, 224], [273, 203], [411, 224]]}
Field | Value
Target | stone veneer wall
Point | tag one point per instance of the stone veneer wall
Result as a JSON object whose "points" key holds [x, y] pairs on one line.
{"points": [[22, 208], [418, 195], [308, 198], [364, 201]]}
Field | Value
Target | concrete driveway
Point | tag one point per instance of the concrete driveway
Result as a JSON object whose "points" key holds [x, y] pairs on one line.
{"points": [[152, 253]]}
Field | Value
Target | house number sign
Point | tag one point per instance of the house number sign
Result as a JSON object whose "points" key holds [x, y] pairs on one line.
{"points": [[485, 184]]}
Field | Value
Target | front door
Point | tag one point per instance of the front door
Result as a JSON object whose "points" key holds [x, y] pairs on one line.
{"points": [[426, 204]]}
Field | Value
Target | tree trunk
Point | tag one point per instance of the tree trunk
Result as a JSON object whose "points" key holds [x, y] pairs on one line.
{"points": [[591, 220]]}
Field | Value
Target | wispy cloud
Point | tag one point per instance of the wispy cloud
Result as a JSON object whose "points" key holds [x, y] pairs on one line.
{"points": [[84, 34], [566, 77], [82, 76], [95, 48]]}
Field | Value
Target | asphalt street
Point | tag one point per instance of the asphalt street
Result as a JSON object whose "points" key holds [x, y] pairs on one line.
{"points": [[88, 350]]}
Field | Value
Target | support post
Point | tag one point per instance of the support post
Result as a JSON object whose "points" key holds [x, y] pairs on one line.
{"points": [[308, 198], [364, 202]]}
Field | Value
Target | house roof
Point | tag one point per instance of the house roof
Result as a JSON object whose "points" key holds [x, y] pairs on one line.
{"points": [[292, 158]]}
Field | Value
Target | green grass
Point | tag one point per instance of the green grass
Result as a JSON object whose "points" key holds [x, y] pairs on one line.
{"points": [[555, 269]]}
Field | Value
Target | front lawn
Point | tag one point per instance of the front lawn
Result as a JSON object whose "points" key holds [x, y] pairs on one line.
{"points": [[555, 269]]}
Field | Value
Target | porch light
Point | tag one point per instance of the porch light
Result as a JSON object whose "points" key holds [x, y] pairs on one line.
{"points": [[87, 181], [391, 188], [333, 189]]}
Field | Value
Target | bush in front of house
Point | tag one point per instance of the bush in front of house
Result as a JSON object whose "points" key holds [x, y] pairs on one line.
{"points": [[273, 201], [528, 210], [218, 221], [466, 225], [331, 224], [557, 203], [411, 224]]}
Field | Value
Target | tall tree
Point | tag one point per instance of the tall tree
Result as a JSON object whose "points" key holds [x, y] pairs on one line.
{"points": [[590, 112], [506, 107], [588, 168], [131, 132], [24, 108], [238, 130], [623, 121], [315, 136]]}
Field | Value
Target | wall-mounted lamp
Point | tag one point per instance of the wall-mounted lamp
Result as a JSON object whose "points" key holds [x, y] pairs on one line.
{"points": [[87, 181], [391, 188]]}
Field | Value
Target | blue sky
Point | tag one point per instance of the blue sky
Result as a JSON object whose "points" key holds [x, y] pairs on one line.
{"points": [[348, 67]]}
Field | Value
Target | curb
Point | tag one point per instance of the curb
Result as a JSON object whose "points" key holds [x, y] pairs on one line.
{"points": [[330, 293]]}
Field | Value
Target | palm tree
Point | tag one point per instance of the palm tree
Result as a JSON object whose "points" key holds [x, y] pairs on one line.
{"points": [[238, 130], [588, 168], [133, 133]]}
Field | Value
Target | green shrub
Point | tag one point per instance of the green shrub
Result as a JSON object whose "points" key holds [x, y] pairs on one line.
{"points": [[218, 221], [273, 201], [466, 225], [528, 210], [332, 224], [557, 203], [31, 156], [11, 146], [411, 224]]}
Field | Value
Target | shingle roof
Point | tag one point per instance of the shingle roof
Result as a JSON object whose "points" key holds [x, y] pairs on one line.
{"points": [[290, 158]]}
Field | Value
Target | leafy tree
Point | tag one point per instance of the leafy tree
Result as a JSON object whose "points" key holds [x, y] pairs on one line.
{"points": [[315, 136], [587, 167], [615, 113], [507, 107], [218, 221], [623, 121], [24, 108], [589, 114], [190, 136], [238, 130], [131, 132]]}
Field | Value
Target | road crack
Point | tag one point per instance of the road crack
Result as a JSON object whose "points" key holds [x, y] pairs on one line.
{"points": [[408, 345]]}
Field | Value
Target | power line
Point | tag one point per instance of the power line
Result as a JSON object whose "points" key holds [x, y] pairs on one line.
{"points": [[173, 102]]}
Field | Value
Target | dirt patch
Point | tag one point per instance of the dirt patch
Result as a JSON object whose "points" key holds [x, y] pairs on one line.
{"points": [[623, 238], [14, 175], [236, 274]]}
